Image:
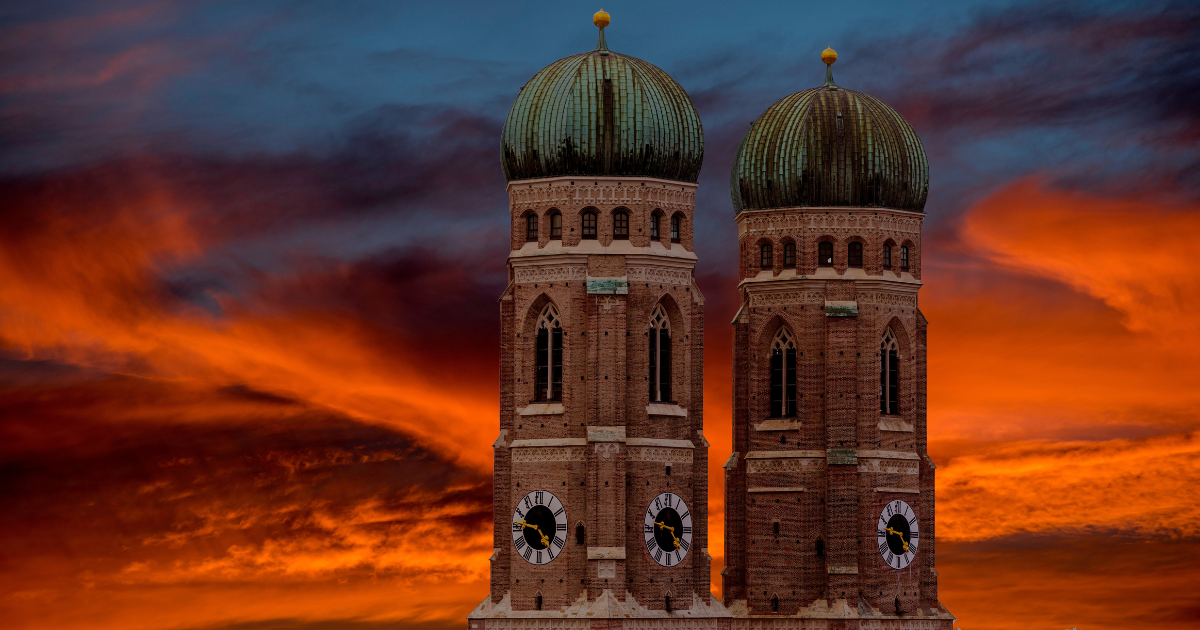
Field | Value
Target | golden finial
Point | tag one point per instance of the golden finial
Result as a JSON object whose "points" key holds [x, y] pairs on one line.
{"points": [[601, 18], [828, 55]]}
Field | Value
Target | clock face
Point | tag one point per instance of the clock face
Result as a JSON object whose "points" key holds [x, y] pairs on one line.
{"points": [[539, 525], [898, 534], [668, 529]]}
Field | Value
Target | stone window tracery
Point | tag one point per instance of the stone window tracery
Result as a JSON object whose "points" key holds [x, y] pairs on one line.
{"points": [[548, 362], [660, 355], [783, 375], [889, 374]]}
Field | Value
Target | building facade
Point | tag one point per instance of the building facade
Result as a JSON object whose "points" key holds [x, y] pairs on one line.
{"points": [[600, 482], [830, 491]]}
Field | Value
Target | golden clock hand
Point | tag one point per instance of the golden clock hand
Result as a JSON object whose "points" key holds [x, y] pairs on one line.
{"points": [[892, 531], [545, 538], [670, 529]]}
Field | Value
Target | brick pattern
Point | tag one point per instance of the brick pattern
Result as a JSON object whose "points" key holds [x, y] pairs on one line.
{"points": [[838, 409]]}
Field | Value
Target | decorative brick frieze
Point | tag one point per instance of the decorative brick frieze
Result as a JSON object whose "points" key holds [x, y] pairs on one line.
{"points": [[653, 454], [549, 454]]}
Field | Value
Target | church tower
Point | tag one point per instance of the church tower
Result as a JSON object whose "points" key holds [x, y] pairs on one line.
{"points": [[600, 482], [829, 493]]}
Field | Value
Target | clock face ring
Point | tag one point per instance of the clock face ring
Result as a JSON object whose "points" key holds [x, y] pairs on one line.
{"points": [[898, 534], [667, 528], [539, 527]]}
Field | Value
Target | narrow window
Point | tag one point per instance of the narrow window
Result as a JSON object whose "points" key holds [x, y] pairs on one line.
{"points": [[854, 254], [654, 219], [889, 374], [621, 225], [825, 254], [667, 603], [531, 227], [789, 255], [548, 363], [539, 601], [589, 224], [887, 256], [579, 534], [675, 229], [820, 545], [556, 225], [660, 355], [904, 258], [775, 604], [783, 375], [766, 256], [776, 527]]}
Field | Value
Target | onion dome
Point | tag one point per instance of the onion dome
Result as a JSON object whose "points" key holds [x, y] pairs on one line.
{"points": [[601, 113], [829, 146]]}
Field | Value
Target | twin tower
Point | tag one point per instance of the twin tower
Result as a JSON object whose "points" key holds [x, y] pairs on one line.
{"points": [[601, 462]]}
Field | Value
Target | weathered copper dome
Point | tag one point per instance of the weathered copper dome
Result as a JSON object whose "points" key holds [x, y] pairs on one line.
{"points": [[601, 113], [830, 146]]}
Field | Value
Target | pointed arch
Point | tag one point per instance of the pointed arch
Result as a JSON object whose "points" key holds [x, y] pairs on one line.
{"points": [[548, 353], [889, 373], [660, 355], [783, 374]]}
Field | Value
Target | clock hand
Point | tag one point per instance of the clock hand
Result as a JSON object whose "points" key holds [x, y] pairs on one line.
{"points": [[892, 531], [545, 538], [670, 529]]}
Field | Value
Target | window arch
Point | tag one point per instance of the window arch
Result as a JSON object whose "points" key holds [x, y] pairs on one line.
{"points": [[783, 375], [854, 254], [621, 225], [676, 224], [538, 602], [789, 254], [589, 224], [531, 227], [660, 355], [775, 604], [766, 256], [904, 258], [825, 254], [887, 255], [555, 224], [548, 363], [655, 219], [889, 374]]}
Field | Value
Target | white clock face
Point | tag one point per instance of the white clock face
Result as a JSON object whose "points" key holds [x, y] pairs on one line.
{"points": [[898, 534], [668, 529], [539, 527]]}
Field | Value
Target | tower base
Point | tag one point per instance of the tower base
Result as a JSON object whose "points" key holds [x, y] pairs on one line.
{"points": [[605, 612], [841, 615]]}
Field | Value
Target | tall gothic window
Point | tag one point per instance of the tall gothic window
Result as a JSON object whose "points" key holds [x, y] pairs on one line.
{"points": [[887, 255], [589, 224], [789, 255], [825, 254], [621, 225], [675, 221], [555, 224], [904, 258], [889, 374], [854, 254], [783, 375], [660, 355], [766, 256], [531, 225], [654, 221], [548, 371]]}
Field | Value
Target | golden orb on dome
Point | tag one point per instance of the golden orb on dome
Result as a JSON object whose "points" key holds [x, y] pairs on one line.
{"points": [[601, 18], [828, 55]]}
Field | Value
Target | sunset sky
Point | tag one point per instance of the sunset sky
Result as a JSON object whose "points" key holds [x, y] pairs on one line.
{"points": [[250, 255]]}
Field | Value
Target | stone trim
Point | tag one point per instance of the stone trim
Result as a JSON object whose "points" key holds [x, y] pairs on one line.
{"points": [[902, 490], [778, 425], [541, 409], [658, 454], [548, 442], [549, 454], [606, 553], [663, 409], [779, 489], [894, 424], [843, 570]]}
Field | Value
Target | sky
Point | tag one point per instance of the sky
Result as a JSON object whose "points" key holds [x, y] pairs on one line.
{"points": [[250, 255]]}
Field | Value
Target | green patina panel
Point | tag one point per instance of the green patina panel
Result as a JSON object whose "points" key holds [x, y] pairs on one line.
{"points": [[611, 286], [841, 456]]}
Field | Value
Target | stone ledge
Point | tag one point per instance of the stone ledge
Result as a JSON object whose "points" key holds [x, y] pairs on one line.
{"points": [[784, 454], [887, 455], [541, 409], [779, 424], [664, 443], [548, 442], [606, 434], [843, 570], [606, 553], [894, 424], [902, 490], [666, 409], [779, 489]]}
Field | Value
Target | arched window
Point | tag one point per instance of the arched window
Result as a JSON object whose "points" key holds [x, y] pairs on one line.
{"points": [[789, 255], [766, 256], [556, 225], [889, 374], [660, 355], [667, 603], [654, 221], [675, 221], [775, 604], [887, 255], [904, 258], [580, 533], [620, 225], [589, 224], [854, 254], [531, 227], [548, 377], [825, 254], [538, 601], [783, 375]]}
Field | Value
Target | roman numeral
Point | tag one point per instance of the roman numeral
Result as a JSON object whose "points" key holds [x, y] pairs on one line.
{"points": [[678, 557], [562, 527], [914, 520], [668, 558], [516, 528], [687, 530], [649, 529], [520, 515], [685, 544], [658, 555], [684, 515], [889, 510], [913, 534], [657, 503], [549, 552], [528, 503], [537, 497], [520, 543], [539, 558], [558, 542], [528, 552], [651, 544], [560, 511], [883, 547], [668, 500], [880, 532], [888, 557]]}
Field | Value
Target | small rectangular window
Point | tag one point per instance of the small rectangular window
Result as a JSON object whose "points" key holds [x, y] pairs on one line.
{"points": [[589, 225], [766, 256], [675, 229], [825, 254], [620, 225], [556, 225], [854, 254], [654, 225], [887, 256], [531, 227], [789, 255], [904, 258]]}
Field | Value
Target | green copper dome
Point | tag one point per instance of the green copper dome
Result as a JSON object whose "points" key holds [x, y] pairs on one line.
{"points": [[829, 146], [601, 113]]}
